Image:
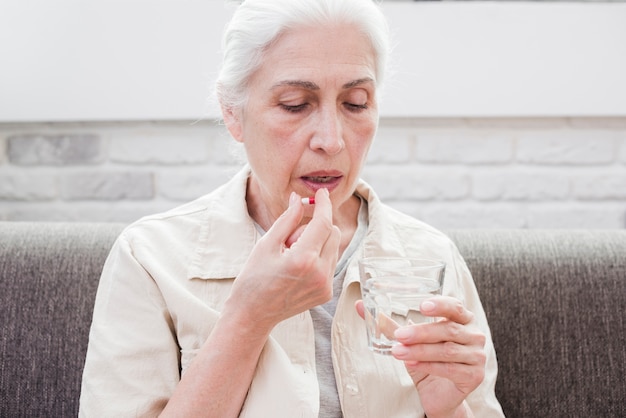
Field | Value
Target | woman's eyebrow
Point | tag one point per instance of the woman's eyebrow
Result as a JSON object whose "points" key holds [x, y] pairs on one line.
{"points": [[358, 82], [308, 85]]}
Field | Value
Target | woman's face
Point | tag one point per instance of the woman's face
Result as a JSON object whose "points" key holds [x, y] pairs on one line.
{"points": [[310, 117]]}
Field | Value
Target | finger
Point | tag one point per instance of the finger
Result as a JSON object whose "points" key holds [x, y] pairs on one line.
{"points": [[330, 249], [291, 239], [284, 227], [448, 352], [466, 377], [440, 332], [360, 308], [385, 325], [317, 231], [323, 204], [447, 307], [330, 252]]}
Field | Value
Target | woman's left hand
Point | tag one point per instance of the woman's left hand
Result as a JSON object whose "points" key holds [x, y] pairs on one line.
{"points": [[446, 358]]}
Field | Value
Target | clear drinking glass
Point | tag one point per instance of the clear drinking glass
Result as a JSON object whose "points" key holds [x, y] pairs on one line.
{"points": [[393, 289]]}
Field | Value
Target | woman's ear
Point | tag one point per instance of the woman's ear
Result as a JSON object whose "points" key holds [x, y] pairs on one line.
{"points": [[232, 120]]}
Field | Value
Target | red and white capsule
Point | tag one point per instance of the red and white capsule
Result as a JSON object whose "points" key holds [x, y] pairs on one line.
{"points": [[308, 200]]}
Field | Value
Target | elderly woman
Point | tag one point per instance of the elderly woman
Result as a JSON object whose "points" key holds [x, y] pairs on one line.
{"points": [[245, 302]]}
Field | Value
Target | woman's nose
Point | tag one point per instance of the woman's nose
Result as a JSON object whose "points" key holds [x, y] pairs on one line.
{"points": [[328, 133]]}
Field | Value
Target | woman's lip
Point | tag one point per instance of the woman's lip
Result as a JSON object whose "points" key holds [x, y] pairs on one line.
{"points": [[331, 181], [324, 173]]}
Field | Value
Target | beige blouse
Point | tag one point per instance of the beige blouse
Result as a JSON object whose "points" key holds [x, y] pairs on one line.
{"points": [[165, 282]]}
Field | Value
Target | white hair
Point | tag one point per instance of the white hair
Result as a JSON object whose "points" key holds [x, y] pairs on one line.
{"points": [[257, 23]]}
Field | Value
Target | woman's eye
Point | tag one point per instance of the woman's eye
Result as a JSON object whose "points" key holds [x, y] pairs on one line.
{"points": [[294, 108], [356, 107]]}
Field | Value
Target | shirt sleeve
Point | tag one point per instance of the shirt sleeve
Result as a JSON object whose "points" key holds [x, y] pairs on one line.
{"points": [[133, 361]]}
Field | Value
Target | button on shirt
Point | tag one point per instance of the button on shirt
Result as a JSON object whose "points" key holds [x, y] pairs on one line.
{"points": [[164, 285]]}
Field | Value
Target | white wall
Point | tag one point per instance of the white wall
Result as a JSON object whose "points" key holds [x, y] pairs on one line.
{"points": [[78, 60], [449, 172], [502, 115]]}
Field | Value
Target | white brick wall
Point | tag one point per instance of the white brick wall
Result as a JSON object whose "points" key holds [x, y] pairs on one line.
{"points": [[452, 173]]}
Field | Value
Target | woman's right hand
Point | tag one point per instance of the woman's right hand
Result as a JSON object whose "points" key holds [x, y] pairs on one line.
{"points": [[291, 268], [289, 271]]}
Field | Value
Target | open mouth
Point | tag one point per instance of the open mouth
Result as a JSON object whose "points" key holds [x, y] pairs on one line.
{"points": [[324, 179], [314, 182]]}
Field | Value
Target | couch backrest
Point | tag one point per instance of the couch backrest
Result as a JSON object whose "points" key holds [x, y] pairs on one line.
{"points": [[48, 278], [555, 302]]}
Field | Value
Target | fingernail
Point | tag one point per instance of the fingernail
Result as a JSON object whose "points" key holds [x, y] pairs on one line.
{"points": [[293, 199], [402, 333], [427, 306], [400, 350]]}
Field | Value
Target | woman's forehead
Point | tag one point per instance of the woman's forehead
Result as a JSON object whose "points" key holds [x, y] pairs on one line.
{"points": [[308, 55]]}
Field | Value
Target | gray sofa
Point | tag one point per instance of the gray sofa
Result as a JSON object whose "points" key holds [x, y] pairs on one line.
{"points": [[556, 302]]}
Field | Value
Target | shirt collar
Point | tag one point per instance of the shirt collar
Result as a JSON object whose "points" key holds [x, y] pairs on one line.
{"points": [[227, 232], [393, 234]]}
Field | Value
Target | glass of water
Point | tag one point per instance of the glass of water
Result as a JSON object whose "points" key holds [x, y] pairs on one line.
{"points": [[393, 289]]}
